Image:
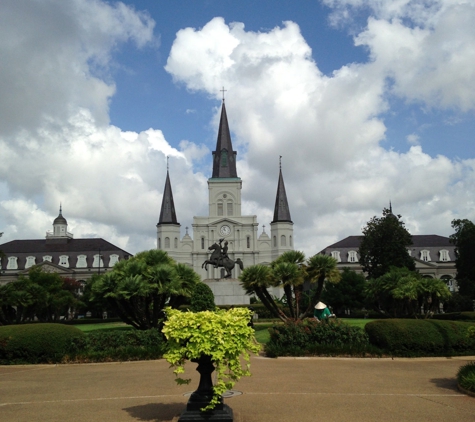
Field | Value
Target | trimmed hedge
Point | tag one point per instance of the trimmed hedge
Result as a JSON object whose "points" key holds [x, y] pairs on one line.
{"points": [[38, 343], [414, 337], [456, 316], [121, 345], [310, 337]]}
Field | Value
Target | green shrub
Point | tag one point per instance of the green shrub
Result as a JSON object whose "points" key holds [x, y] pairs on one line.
{"points": [[39, 343], [466, 376], [202, 299], [408, 337], [120, 345], [456, 316], [310, 337]]}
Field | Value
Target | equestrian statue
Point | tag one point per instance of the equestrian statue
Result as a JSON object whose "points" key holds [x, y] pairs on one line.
{"points": [[219, 258]]}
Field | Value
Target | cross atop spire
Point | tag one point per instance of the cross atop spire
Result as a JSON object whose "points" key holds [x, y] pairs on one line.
{"points": [[223, 91]]}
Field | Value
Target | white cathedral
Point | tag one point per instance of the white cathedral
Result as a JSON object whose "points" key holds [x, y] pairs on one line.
{"points": [[224, 219]]}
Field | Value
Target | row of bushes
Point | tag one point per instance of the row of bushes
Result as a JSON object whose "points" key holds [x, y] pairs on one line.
{"points": [[311, 337], [54, 343], [394, 337]]}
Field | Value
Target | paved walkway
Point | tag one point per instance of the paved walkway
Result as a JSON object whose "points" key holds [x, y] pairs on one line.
{"points": [[284, 389]]}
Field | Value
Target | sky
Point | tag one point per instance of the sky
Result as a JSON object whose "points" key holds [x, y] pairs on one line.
{"points": [[367, 102]]}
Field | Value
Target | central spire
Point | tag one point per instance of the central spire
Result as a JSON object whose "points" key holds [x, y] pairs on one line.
{"points": [[224, 158]]}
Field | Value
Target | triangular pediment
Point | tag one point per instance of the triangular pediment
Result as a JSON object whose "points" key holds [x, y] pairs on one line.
{"points": [[49, 267], [225, 220], [424, 264]]}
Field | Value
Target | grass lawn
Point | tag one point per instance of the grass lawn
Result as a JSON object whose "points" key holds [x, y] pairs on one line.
{"points": [[103, 326]]}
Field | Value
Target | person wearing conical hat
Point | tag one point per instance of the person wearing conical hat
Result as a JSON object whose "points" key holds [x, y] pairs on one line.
{"points": [[322, 312]]}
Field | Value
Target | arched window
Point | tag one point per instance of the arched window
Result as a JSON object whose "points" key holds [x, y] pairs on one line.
{"points": [[30, 261], [275, 242], [12, 263], [425, 255], [48, 258], [352, 256], [159, 243], [444, 255], [229, 208], [176, 243], [248, 242], [224, 158], [202, 243], [290, 240], [82, 262], [283, 241], [336, 255], [167, 243], [98, 262], [64, 261], [113, 259]]}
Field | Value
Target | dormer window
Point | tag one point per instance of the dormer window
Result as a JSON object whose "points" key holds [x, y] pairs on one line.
{"points": [[444, 255], [425, 255], [352, 256], [64, 261], [336, 255], [30, 261], [48, 258], [12, 263], [114, 259], [82, 262], [98, 262]]}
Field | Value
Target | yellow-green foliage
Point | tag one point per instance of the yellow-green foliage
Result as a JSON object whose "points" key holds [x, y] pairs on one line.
{"points": [[223, 335]]}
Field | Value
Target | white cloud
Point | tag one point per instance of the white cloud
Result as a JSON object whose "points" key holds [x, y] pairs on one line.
{"points": [[329, 129], [56, 141]]}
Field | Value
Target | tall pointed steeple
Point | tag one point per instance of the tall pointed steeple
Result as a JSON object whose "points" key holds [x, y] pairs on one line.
{"points": [[224, 158], [281, 209], [167, 212]]}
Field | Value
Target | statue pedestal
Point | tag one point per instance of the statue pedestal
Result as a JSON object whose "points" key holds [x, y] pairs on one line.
{"points": [[227, 291]]}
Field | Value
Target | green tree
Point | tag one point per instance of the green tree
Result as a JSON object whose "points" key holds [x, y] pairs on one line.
{"points": [[202, 298], [384, 245], [39, 294], [401, 292], [320, 269], [289, 271], [464, 241], [348, 293], [138, 289]]}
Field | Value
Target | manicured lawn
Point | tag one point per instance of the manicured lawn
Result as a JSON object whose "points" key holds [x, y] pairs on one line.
{"points": [[103, 326]]}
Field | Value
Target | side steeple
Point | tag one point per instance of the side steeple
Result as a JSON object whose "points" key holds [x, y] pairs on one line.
{"points": [[281, 208], [224, 158], [167, 211]]}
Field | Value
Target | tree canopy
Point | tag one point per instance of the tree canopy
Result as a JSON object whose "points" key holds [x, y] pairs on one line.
{"points": [[138, 289], [289, 271], [348, 293], [464, 241], [384, 245]]}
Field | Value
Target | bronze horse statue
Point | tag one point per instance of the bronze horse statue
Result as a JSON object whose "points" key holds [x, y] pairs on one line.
{"points": [[218, 259]]}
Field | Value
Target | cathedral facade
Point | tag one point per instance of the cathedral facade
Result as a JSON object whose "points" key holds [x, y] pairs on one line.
{"points": [[225, 221]]}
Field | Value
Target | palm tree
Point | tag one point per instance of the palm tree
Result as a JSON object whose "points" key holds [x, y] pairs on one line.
{"points": [[255, 279], [290, 277], [320, 268]]}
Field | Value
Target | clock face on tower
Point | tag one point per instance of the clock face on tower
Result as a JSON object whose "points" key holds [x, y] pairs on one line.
{"points": [[225, 230]]}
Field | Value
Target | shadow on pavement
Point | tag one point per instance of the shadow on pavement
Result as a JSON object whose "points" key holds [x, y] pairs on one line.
{"points": [[447, 383], [156, 412]]}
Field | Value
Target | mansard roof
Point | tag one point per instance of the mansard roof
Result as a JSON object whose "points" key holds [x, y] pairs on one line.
{"points": [[281, 208], [167, 211], [418, 241], [224, 158], [70, 245]]}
